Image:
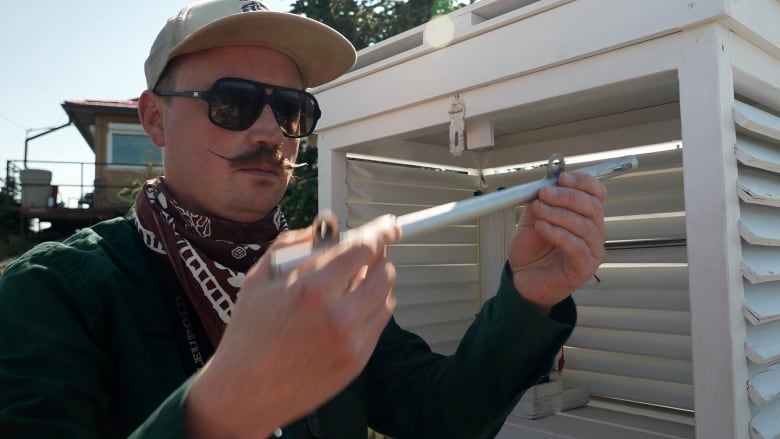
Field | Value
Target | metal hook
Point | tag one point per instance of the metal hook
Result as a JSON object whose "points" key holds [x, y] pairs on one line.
{"points": [[555, 165]]}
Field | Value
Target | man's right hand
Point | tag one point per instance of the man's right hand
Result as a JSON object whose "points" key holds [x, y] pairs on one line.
{"points": [[295, 340]]}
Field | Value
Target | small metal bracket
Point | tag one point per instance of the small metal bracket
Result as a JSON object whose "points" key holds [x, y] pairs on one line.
{"points": [[555, 165], [457, 126]]}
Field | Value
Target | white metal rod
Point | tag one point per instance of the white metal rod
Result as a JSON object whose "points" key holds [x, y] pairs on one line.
{"points": [[426, 220], [422, 221]]}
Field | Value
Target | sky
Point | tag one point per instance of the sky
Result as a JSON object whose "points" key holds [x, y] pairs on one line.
{"points": [[71, 50]]}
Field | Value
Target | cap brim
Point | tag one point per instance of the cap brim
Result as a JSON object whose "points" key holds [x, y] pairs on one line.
{"points": [[322, 53]]}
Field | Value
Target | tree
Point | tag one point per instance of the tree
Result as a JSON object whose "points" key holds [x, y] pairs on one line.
{"points": [[362, 22], [300, 201], [365, 22]]}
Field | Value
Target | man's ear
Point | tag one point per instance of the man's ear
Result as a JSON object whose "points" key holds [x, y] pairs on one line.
{"points": [[150, 111]]}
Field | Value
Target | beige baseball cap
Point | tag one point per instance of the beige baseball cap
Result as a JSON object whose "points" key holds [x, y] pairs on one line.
{"points": [[322, 54]]}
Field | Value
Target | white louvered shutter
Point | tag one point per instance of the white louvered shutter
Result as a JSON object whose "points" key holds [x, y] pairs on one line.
{"points": [[632, 341], [437, 284], [758, 154]]}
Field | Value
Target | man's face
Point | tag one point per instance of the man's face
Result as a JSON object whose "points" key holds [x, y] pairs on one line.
{"points": [[196, 152]]}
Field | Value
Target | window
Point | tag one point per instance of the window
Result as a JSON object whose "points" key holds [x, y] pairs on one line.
{"points": [[129, 146]]}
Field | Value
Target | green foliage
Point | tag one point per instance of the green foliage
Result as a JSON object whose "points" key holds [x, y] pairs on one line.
{"points": [[300, 201], [131, 191], [362, 22], [365, 22]]}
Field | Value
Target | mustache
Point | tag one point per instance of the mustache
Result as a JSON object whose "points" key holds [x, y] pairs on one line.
{"points": [[259, 156]]}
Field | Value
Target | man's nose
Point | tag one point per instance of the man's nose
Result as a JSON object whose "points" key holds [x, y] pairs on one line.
{"points": [[266, 128]]}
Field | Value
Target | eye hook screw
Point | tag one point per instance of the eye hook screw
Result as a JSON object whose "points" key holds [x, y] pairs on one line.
{"points": [[555, 165]]}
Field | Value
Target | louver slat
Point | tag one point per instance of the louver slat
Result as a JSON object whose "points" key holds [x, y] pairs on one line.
{"points": [[633, 338], [765, 386], [756, 121], [628, 388], [762, 344], [764, 424], [758, 225], [762, 303], [756, 186], [437, 282], [758, 154], [760, 263]]}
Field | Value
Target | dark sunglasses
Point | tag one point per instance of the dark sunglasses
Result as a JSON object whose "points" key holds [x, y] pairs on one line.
{"points": [[235, 104]]}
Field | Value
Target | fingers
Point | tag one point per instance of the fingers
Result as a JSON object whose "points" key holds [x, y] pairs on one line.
{"points": [[571, 215], [578, 192], [339, 264], [364, 312], [286, 239]]}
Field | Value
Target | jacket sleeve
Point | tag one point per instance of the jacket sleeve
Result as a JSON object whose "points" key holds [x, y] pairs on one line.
{"points": [[509, 347]]}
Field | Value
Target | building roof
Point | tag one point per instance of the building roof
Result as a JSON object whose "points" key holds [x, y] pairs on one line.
{"points": [[82, 113]]}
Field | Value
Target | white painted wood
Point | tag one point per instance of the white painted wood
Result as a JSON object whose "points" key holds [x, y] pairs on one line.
{"points": [[758, 153], [669, 225], [764, 424], [676, 254], [663, 393], [558, 94], [762, 344], [755, 74], [644, 60], [640, 366], [594, 422], [760, 225], [437, 275], [762, 302], [717, 324], [757, 148], [492, 252], [407, 175], [759, 187], [756, 121], [584, 136], [644, 298], [760, 263], [421, 254], [331, 188], [480, 135], [764, 387], [675, 346], [757, 22], [369, 192], [583, 32], [675, 322], [633, 275]]}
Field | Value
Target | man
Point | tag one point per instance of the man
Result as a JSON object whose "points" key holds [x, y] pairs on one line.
{"points": [[111, 333]]}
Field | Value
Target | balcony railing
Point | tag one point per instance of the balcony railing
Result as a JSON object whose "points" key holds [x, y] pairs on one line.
{"points": [[72, 185]]}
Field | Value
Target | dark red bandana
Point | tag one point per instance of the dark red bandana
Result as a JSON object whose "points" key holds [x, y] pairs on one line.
{"points": [[210, 256]]}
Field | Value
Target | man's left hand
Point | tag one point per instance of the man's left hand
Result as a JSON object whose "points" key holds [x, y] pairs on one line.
{"points": [[559, 241]]}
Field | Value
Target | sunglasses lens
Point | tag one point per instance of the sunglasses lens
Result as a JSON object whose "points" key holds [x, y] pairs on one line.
{"points": [[295, 111], [235, 105]]}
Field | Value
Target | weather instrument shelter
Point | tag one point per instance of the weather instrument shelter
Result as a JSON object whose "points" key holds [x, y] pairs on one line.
{"points": [[679, 335]]}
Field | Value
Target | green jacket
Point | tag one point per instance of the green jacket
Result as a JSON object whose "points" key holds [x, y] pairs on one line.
{"points": [[88, 348]]}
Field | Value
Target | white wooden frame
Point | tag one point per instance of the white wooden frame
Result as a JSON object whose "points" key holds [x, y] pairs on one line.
{"points": [[538, 56]]}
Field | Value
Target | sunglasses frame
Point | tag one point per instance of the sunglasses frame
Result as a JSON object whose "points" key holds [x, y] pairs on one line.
{"points": [[267, 92]]}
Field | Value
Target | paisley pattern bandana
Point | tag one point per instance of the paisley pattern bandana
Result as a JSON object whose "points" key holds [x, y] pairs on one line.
{"points": [[210, 256]]}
